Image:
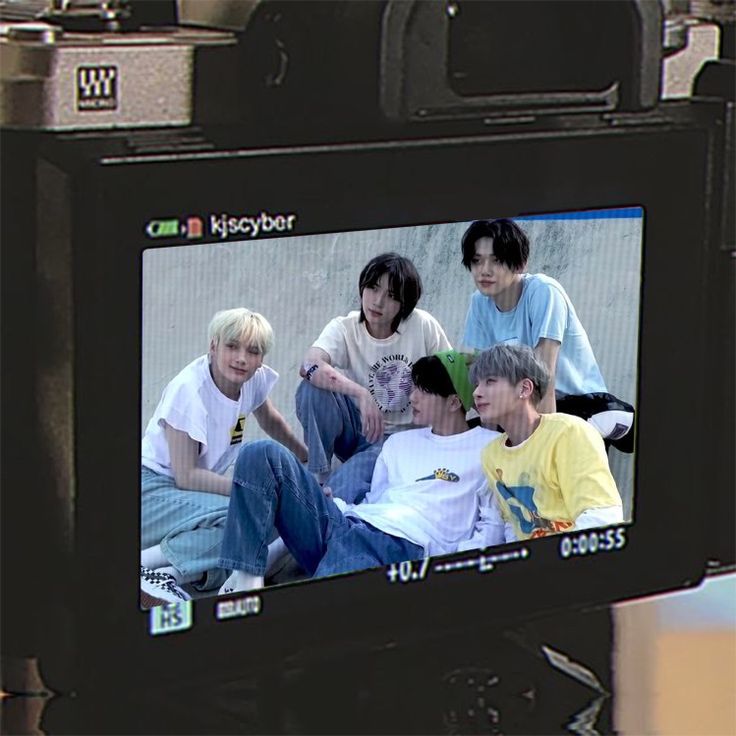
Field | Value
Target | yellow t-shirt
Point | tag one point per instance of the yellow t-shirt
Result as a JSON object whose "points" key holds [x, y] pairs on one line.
{"points": [[546, 482]]}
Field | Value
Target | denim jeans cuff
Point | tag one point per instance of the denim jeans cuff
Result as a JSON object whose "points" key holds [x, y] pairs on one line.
{"points": [[252, 569], [213, 580], [173, 558], [321, 469]]}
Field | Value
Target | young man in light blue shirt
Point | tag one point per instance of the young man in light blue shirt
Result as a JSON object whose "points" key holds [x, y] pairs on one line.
{"points": [[513, 307]]}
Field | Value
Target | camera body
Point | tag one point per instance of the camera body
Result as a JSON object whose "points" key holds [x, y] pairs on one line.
{"points": [[93, 66], [137, 126]]}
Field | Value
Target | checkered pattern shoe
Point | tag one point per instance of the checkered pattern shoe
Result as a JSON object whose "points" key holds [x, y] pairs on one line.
{"points": [[158, 588]]}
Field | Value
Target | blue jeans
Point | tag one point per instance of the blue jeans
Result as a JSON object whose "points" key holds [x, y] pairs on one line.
{"points": [[332, 426], [271, 488], [187, 524]]}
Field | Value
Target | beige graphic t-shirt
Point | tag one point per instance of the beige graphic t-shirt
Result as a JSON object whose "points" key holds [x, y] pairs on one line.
{"points": [[383, 366]]}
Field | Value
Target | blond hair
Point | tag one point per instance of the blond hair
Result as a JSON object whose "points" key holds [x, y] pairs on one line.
{"points": [[241, 325]]}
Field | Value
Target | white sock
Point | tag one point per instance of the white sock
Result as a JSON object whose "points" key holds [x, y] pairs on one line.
{"points": [[180, 577], [240, 581], [277, 550], [153, 557]]}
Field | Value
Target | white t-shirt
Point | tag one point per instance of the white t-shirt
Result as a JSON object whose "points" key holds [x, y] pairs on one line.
{"points": [[383, 366], [431, 490], [192, 403]]}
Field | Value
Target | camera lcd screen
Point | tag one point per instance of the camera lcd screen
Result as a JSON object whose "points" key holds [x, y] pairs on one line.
{"points": [[299, 283]]}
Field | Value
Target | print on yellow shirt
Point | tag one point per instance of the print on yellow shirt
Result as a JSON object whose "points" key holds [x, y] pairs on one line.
{"points": [[520, 500]]}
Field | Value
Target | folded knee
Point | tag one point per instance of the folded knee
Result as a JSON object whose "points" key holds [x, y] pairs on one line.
{"points": [[257, 454]]}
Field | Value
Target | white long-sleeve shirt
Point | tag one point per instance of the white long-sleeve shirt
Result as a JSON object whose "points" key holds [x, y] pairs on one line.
{"points": [[431, 490]]}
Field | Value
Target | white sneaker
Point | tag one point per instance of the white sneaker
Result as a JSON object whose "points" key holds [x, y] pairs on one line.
{"points": [[158, 588], [613, 424], [239, 582], [228, 586]]}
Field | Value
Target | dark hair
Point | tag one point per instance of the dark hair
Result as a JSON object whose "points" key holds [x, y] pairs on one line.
{"points": [[514, 363], [429, 375], [510, 243], [403, 280]]}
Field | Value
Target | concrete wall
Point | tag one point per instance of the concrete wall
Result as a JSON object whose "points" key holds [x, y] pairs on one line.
{"points": [[299, 283]]}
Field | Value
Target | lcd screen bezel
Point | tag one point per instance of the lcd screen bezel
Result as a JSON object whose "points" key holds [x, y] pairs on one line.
{"points": [[365, 186]]}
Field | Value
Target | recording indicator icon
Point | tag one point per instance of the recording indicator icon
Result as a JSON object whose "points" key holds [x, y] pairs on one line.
{"points": [[194, 227]]}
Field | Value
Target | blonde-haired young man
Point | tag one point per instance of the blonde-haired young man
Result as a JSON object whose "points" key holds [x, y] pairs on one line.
{"points": [[193, 437]]}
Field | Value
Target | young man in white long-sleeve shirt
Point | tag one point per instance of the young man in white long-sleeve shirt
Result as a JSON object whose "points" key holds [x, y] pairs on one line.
{"points": [[428, 493]]}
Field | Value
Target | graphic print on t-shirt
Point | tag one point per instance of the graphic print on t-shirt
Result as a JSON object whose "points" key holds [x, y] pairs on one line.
{"points": [[520, 501], [389, 382], [236, 433], [441, 474]]}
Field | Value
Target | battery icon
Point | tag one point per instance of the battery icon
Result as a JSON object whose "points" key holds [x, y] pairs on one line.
{"points": [[163, 228]]}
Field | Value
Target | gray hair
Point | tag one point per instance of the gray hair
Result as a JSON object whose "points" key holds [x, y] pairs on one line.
{"points": [[514, 363]]}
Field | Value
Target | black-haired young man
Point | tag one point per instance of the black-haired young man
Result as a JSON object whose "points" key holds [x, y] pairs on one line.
{"points": [[357, 374], [428, 493], [513, 307]]}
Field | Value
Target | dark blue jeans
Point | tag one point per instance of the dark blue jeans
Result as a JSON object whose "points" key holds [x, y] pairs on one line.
{"points": [[271, 489], [332, 426]]}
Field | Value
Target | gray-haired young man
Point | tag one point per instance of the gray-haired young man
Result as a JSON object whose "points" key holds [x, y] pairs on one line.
{"points": [[549, 471]]}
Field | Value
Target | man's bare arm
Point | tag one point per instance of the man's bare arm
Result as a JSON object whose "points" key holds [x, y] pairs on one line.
{"points": [[317, 369], [187, 476], [271, 421], [547, 350]]}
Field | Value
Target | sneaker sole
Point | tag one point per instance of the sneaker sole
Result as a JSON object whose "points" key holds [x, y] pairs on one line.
{"points": [[149, 601]]}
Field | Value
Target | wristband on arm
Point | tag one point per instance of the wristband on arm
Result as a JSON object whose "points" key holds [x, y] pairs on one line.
{"points": [[309, 370]]}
